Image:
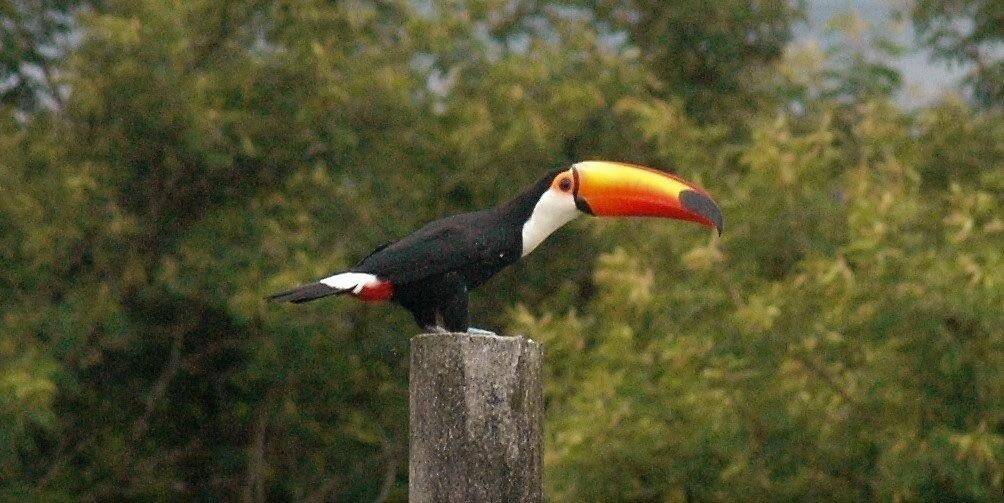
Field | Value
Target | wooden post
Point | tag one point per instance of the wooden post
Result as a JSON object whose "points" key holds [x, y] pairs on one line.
{"points": [[475, 419]]}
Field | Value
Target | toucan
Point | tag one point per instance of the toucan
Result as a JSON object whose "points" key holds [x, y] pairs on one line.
{"points": [[431, 271]]}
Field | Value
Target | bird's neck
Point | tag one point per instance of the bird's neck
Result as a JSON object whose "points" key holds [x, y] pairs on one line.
{"points": [[550, 213], [537, 213]]}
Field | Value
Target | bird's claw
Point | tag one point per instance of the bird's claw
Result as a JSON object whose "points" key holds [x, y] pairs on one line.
{"points": [[436, 329]]}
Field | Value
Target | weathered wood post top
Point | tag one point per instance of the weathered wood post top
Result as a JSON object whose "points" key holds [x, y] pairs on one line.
{"points": [[475, 418]]}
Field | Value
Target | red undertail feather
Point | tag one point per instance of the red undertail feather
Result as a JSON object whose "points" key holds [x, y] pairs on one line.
{"points": [[376, 292]]}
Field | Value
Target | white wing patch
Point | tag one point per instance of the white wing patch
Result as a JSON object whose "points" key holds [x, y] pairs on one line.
{"points": [[354, 281]]}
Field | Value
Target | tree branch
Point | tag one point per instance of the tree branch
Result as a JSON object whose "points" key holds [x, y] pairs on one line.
{"points": [[254, 489], [825, 376], [160, 386], [390, 471]]}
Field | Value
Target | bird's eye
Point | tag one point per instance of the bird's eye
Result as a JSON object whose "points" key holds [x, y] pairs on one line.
{"points": [[565, 184]]}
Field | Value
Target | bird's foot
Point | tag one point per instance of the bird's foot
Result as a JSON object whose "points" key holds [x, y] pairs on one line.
{"points": [[478, 331], [436, 329]]}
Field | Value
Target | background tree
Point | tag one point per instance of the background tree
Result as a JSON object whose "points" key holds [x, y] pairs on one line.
{"points": [[36, 37], [841, 340], [967, 32]]}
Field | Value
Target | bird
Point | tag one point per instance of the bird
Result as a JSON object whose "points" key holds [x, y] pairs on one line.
{"points": [[431, 271]]}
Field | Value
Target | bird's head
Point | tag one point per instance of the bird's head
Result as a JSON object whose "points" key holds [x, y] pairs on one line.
{"points": [[614, 189]]}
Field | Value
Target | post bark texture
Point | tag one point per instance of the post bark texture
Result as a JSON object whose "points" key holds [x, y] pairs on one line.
{"points": [[475, 419]]}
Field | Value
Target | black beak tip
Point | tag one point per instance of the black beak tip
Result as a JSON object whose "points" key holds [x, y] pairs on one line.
{"points": [[704, 206]]}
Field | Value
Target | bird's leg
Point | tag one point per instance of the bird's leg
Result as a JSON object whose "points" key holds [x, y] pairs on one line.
{"points": [[453, 308], [435, 329], [425, 317]]}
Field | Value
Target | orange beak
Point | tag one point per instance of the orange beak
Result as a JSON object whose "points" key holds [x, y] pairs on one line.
{"points": [[617, 189]]}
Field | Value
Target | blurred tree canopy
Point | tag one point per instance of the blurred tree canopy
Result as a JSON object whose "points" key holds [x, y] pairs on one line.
{"points": [[967, 32], [165, 164]]}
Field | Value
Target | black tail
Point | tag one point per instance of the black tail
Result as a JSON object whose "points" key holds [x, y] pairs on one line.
{"points": [[304, 293]]}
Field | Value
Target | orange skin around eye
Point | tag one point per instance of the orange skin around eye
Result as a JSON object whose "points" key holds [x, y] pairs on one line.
{"points": [[563, 183]]}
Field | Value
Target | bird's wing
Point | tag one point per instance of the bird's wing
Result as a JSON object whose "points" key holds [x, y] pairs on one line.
{"points": [[442, 246], [376, 250]]}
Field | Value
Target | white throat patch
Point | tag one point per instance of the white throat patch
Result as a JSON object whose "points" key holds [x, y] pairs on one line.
{"points": [[552, 211]]}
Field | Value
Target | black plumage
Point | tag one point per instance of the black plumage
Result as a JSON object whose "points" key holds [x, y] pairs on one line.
{"points": [[433, 269]]}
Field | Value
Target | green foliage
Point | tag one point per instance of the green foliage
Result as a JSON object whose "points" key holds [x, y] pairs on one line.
{"points": [[850, 350], [36, 36], [967, 32], [841, 340], [711, 54]]}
